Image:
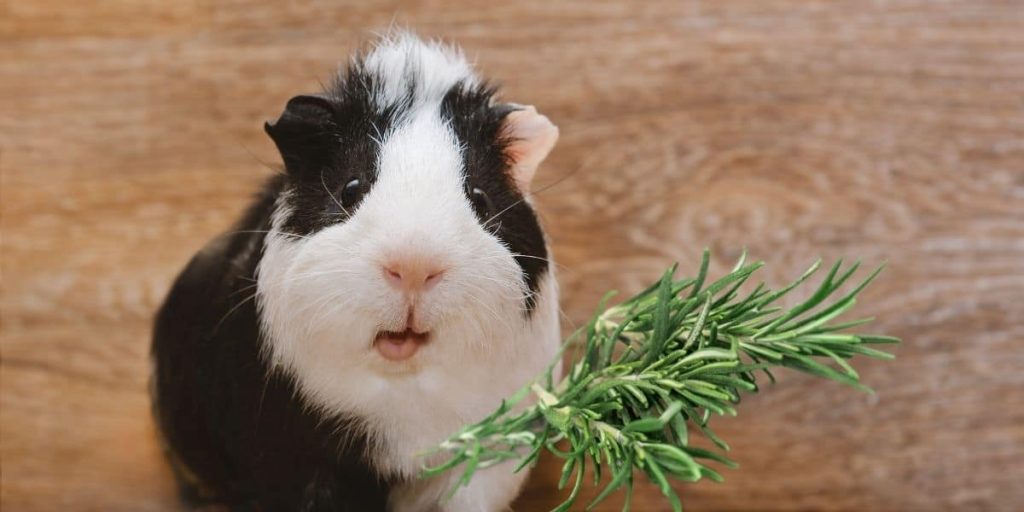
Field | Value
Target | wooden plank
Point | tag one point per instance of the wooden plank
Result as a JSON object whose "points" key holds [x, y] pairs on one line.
{"points": [[24, 20]]}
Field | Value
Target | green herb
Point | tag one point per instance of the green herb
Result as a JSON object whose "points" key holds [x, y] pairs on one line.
{"points": [[659, 365]]}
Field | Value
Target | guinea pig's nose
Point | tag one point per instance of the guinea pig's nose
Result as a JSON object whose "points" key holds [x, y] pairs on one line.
{"points": [[412, 274]]}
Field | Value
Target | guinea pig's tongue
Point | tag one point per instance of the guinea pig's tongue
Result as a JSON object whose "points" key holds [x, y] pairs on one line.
{"points": [[399, 346]]}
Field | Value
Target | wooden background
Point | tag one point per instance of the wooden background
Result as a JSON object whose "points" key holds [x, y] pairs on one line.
{"points": [[130, 133]]}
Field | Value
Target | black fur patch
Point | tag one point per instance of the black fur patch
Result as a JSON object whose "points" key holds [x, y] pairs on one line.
{"points": [[237, 432], [351, 133], [476, 121]]}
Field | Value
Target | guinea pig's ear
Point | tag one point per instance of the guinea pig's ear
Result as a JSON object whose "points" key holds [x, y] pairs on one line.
{"points": [[303, 134], [531, 137]]}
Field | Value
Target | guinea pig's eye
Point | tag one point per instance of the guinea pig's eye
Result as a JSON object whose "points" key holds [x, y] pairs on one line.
{"points": [[352, 194], [481, 203]]}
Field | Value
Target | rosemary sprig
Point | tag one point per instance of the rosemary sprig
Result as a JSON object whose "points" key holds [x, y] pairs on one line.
{"points": [[659, 365]]}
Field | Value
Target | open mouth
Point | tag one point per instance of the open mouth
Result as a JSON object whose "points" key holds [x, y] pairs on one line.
{"points": [[399, 346]]}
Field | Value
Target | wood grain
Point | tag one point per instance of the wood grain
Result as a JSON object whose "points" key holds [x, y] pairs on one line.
{"points": [[889, 131]]}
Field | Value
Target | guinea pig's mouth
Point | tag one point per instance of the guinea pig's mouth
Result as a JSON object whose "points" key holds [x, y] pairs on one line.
{"points": [[399, 346]]}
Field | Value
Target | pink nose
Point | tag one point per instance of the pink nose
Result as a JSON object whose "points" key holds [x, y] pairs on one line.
{"points": [[412, 274]]}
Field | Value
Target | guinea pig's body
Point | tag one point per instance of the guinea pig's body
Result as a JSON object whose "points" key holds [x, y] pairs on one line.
{"points": [[392, 285]]}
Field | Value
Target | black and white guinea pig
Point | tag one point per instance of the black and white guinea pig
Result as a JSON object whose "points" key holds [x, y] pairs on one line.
{"points": [[390, 286]]}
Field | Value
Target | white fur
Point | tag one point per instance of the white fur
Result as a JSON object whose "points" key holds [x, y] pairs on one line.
{"points": [[323, 299], [402, 58]]}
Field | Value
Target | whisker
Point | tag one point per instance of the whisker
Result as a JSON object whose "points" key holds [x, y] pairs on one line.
{"points": [[517, 255], [272, 232], [504, 284], [538, 191], [490, 310], [244, 288], [562, 178], [496, 215], [328, 190], [332, 301], [379, 138], [320, 273], [230, 311]]}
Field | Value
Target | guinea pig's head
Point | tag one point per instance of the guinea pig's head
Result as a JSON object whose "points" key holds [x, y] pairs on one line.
{"points": [[402, 241]]}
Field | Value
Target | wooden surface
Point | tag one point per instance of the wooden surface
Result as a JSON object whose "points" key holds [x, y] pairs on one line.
{"points": [[130, 133]]}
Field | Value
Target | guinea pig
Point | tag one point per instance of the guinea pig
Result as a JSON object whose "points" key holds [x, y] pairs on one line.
{"points": [[391, 285]]}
